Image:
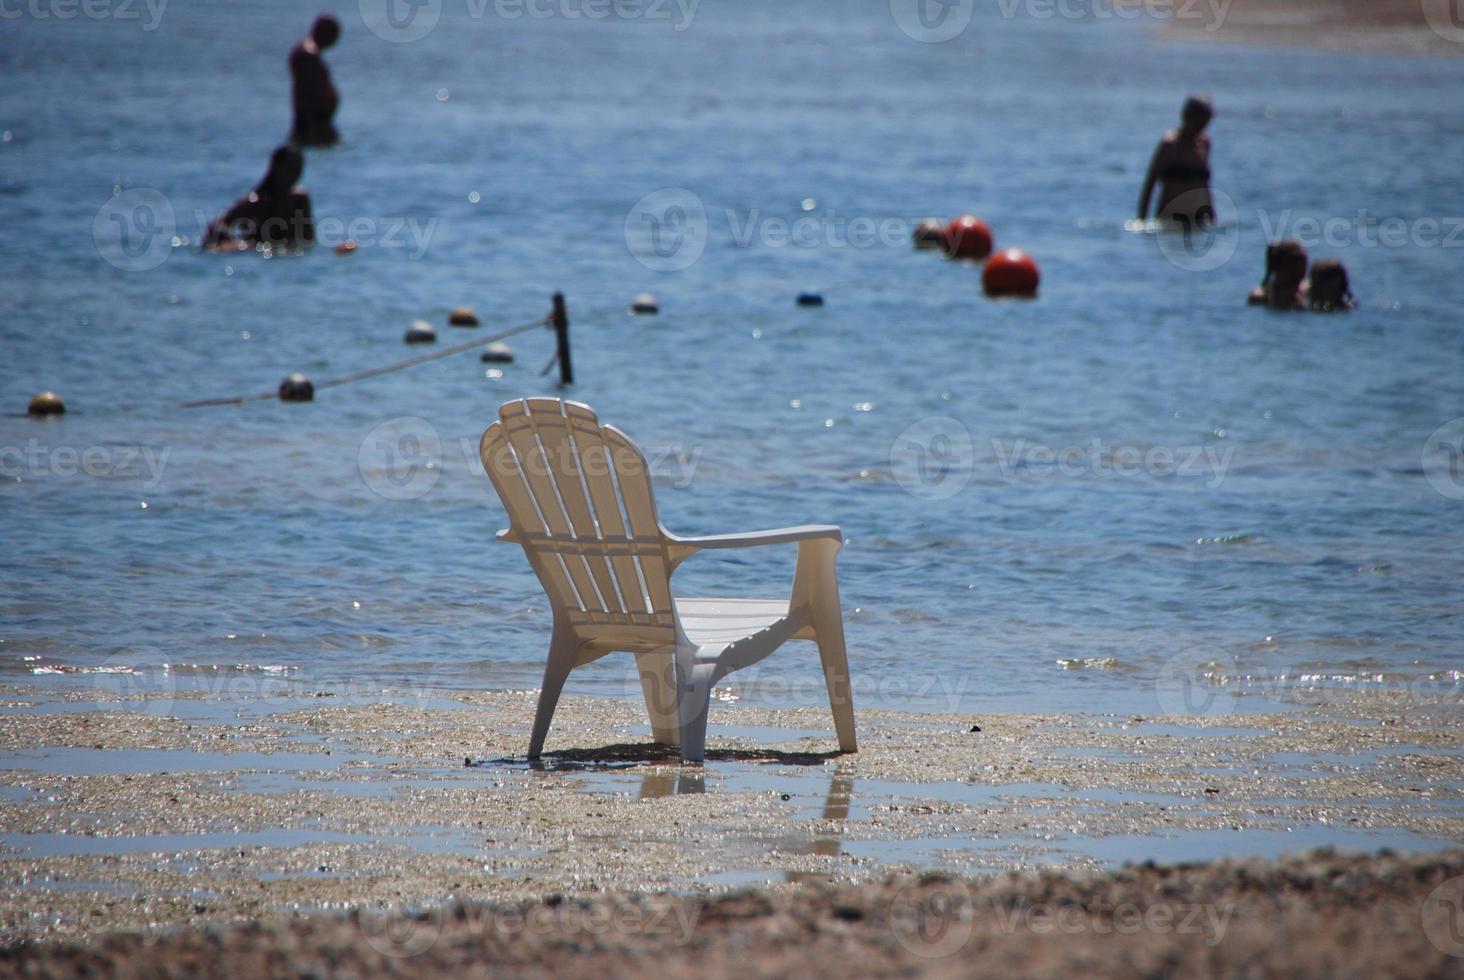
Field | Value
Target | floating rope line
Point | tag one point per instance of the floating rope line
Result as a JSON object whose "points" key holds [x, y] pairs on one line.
{"points": [[376, 372]]}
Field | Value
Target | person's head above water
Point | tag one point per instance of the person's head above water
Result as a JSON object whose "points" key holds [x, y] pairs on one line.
{"points": [[1286, 260], [286, 165], [325, 31], [1330, 290], [1196, 114]]}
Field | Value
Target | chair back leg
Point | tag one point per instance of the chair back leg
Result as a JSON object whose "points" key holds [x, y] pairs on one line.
{"points": [[657, 669], [563, 647]]}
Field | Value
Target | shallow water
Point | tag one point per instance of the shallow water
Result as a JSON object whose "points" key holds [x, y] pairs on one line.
{"points": [[1305, 544]]}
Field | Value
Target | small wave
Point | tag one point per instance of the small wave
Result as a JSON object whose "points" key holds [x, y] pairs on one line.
{"points": [[1088, 663], [1228, 539]]}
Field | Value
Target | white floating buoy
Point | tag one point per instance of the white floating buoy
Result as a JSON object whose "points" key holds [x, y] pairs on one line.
{"points": [[497, 353], [644, 303], [420, 332]]}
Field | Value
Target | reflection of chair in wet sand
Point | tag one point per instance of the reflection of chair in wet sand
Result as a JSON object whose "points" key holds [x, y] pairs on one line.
{"points": [[579, 501], [655, 785]]}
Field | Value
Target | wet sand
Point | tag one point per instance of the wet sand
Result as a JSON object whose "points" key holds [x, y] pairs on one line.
{"points": [[1398, 27], [147, 817]]}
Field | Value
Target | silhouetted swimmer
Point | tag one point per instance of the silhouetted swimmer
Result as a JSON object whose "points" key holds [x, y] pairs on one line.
{"points": [[1181, 168], [1284, 286], [276, 212], [315, 97], [1330, 291]]}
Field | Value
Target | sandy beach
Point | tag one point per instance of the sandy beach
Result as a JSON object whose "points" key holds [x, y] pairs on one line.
{"points": [[1396, 27], [1318, 916], [210, 829]]}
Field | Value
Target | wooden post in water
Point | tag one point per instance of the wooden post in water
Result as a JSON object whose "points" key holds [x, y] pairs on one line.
{"points": [[561, 336]]}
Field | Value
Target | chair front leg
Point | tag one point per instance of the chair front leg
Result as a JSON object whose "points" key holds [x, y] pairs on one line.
{"points": [[816, 588], [657, 669], [563, 648], [694, 682]]}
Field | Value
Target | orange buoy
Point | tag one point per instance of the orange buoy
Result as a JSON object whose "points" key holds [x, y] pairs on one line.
{"points": [[1010, 272], [967, 237]]}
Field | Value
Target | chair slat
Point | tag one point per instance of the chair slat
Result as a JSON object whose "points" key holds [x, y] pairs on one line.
{"points": [[633, 474], [566, 460], [596, 462], [539, 474], [523, 515]]}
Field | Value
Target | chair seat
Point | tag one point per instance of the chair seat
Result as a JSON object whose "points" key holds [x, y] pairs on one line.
{"points": [[722, 622]]}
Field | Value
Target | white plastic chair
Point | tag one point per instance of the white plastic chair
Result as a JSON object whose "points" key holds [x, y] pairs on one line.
{"points": [[579, 501]]}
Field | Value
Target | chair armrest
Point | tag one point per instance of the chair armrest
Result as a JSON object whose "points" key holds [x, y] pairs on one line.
{"points": [[753, 539], [507, 535], [680, 549]]}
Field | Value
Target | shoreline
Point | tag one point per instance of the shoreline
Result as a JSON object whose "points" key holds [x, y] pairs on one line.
{"points": [[1373, 27]]}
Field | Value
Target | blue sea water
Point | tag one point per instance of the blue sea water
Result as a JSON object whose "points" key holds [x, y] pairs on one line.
{"points": [[1049, 504]]}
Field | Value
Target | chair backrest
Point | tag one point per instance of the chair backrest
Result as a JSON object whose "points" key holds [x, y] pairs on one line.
{"points": [[578, 496]]}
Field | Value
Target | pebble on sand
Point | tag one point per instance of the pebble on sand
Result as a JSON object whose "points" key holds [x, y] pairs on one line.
{"points": [[463, 316], [46, 403], [644, 303], [497, 353], [296, 388], [420, 332]]}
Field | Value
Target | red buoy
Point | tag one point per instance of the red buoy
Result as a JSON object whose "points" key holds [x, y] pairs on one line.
{"points": [[1010, 272], [967, 237]]}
